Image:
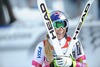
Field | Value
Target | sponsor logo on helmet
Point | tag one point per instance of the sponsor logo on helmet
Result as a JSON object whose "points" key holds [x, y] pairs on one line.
{"points": [[58, 14]]}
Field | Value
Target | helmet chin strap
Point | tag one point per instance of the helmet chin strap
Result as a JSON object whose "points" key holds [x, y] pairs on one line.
{"points": [[67, 29], [65, 35]]}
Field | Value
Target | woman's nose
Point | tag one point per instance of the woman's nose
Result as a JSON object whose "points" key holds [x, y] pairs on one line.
{"points": [[61, 29]]}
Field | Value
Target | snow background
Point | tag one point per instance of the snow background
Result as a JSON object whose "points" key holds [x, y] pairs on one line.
{"points": [[18, 41]]}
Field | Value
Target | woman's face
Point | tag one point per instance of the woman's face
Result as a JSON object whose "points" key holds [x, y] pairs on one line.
{"points": [[60, 32]]}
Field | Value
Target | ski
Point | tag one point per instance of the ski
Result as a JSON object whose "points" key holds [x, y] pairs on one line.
{"points": [[50, 29], [78, 28]]}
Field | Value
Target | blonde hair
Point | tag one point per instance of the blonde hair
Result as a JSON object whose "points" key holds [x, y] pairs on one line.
{"points": [[48, 50]]}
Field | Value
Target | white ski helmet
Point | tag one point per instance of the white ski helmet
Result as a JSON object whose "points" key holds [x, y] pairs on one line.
{"points": [[59, 16]]}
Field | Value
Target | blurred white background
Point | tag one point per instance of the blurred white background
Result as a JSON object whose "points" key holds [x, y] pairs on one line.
{"points": [[19, 39]]}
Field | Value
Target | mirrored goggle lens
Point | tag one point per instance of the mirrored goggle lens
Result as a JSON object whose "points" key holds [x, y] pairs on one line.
{"points": [[60, 23]]}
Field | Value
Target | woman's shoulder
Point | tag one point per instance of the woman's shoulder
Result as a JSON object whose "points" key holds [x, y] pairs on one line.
{"points": [[69, 39], [40, 44]]}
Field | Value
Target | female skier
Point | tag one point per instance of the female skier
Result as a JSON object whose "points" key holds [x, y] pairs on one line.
{"points": [[44, 55]]}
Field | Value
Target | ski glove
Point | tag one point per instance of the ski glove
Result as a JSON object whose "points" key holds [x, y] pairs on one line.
{"points": [[63, 61], [53, 64]]}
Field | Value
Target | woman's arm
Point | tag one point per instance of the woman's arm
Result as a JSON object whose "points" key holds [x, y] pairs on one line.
{"points": [[38, 57], [79, 57]]}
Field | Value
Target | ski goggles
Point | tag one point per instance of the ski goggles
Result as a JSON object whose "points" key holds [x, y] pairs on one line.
{"points": [[60, 23]]}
